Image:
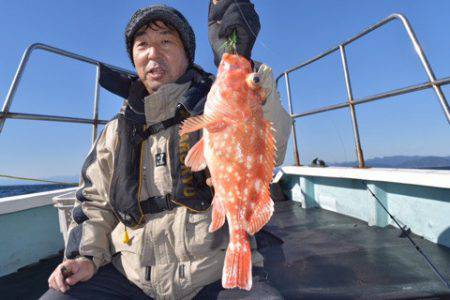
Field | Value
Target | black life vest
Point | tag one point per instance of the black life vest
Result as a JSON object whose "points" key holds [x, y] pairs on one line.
{"points": [[189, 188]]}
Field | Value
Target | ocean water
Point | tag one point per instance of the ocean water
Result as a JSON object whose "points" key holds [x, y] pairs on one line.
{"points": [[14, 190]]}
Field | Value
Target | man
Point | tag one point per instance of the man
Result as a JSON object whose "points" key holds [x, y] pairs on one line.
{"points": [[140, 223]]}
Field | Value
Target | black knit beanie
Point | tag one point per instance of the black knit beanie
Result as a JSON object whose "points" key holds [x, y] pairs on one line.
{"points": [[169, 16]]}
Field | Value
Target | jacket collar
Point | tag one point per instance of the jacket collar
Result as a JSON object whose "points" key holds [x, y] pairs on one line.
{"points": [[187, 90], [162, 104]]}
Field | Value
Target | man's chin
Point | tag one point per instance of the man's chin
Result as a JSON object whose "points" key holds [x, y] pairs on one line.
{"points": [[154, 86]]}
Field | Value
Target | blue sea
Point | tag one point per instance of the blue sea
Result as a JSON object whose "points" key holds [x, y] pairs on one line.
{"points": [[13, 190]]}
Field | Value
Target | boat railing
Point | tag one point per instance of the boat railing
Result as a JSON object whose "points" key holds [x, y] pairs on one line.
{"points": [[351, 102], [5, 113]]}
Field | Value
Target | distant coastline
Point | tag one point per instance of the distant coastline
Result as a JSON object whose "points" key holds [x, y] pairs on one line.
{"points": [[403, 162]]}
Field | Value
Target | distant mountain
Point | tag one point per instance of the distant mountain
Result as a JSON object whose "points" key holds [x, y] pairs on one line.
{"points": [[64, 178], [403, 162]]}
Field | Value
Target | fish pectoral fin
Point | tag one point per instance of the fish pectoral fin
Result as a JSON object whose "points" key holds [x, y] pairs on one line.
{"points": [[195, 158], [196, 123], [261, 214], [218, 215]]}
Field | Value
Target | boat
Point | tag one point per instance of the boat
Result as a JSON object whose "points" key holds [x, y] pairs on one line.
{"points": [[336, 233]]}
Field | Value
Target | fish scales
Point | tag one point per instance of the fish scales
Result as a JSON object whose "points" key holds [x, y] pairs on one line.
{"points": [[238, 148]]}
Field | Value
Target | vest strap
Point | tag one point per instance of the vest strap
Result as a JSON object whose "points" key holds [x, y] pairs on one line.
{"points": [[180, 115], [157, 204]]}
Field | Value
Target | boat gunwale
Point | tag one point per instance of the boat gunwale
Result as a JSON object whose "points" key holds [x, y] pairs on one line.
{"points": [[18, 203], [418, 177]]}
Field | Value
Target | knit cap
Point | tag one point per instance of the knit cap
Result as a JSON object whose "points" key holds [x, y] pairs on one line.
{"points": [[169, 16]]}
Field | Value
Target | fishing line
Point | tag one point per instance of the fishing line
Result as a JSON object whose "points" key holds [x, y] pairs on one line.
{"points": [[340, 137], [250, 28], [406, 234], [275, 53], [38, 180]]}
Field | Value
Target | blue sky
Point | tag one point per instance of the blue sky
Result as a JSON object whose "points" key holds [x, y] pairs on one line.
{"points": [[292, 32]]}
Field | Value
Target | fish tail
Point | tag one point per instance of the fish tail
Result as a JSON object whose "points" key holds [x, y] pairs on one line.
{"points": [[237, 271]]}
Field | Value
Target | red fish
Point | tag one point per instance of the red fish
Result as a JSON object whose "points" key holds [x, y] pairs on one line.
{"points": [[238, 148]]}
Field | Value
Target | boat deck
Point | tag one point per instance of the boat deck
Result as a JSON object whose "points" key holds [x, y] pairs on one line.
{"points": [[314, 254], [327, 255]]}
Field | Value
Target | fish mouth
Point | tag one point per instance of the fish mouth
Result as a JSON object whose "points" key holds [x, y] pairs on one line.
{"points": [[264, 93]]}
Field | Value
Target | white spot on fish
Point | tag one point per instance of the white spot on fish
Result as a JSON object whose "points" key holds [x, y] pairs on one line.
{"points": [[239, 155], [238, 246], [257, 184], [249, 163], [231, 246]]}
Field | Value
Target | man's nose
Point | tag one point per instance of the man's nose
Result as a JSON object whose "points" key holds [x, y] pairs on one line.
{"points": [[153, 52]]}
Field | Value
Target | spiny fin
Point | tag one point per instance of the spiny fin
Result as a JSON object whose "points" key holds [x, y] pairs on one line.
{"points": [[195, 158], [270, 151], [196, 123], [218, 214], [261, 213]]}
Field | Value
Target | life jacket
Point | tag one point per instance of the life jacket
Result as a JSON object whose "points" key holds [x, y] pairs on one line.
{"points": [[189, 188]]}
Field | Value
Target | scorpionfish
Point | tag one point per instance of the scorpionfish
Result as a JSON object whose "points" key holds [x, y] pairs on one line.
{"points": [[238, 148]]}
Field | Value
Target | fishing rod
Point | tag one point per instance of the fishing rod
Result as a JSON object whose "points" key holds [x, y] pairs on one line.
{"points": [[406, 232], [38, 180]]}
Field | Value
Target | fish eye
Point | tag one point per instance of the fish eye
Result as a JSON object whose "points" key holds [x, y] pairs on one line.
{"points": [[253, 80]]}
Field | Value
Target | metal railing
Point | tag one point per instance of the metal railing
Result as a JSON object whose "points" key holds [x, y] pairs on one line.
{"points": [[5, 113], [351, 102]]}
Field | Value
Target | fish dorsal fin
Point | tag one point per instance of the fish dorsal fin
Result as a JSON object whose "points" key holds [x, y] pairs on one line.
{"points": [[195, 158], [263, 209]]}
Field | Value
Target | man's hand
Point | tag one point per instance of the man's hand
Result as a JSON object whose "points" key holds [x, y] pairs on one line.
{"points": [[81, 269], [224, 17]]}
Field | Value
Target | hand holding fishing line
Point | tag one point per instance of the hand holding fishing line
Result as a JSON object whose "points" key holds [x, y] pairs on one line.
{"points": [[226, 17]]}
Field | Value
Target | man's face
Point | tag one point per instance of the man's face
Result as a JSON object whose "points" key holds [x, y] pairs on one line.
{"points": [[158, 55]]}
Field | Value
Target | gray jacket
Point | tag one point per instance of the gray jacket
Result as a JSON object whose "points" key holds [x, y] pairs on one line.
{"points": [[171, 254]]}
